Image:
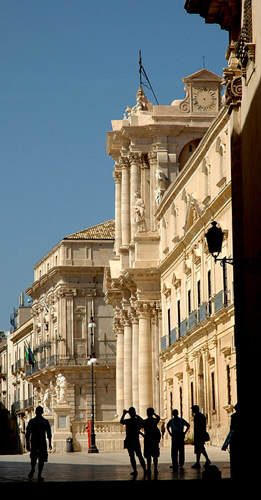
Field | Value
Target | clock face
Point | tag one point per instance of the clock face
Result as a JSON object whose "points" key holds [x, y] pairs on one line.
{"points": [[204, 99]]}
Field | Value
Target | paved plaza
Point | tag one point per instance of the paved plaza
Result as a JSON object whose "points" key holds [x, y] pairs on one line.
{"points": [[106, 469]]}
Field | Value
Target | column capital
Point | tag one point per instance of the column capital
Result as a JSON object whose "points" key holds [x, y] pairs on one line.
{"points": [[145, 309], [117, 176], [117, 326], [153, 156], [135, 157], [123, 161]]}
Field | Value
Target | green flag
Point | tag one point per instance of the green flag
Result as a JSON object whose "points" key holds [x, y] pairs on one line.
{"points": [[26, 354]]}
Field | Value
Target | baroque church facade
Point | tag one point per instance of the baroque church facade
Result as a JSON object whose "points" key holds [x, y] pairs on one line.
{"points": [[173, 318]]}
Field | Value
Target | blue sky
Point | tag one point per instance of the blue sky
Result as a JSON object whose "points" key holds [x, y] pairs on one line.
{"points": [[69, 67]]}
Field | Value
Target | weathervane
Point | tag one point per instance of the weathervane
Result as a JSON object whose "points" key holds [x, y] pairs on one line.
{"points": [[144, 74]]}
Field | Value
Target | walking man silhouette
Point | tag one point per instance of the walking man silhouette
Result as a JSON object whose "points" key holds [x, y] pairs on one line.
{"points": [[132, 442], [175, 428], [199, 437], [37, 430], [152, 438]]}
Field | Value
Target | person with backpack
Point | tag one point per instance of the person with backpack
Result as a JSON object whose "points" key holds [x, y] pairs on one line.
{"points": [[200, 437]]}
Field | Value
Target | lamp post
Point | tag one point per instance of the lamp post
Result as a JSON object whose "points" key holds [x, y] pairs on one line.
{"points": [[93, 448], [214, 237]]}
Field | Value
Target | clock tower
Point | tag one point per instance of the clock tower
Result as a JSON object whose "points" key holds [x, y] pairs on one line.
{"points": [[203, 90]]}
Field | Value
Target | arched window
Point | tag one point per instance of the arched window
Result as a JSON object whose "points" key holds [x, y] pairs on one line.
{"points": [[187, 151]]}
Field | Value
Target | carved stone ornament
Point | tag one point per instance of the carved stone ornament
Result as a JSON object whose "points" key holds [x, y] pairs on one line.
{"points": [[185, 105], [233, 83], [233, 79]]}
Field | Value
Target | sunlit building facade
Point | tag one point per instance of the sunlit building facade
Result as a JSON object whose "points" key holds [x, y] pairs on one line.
{"points": [[68, 296], [172, 319]]}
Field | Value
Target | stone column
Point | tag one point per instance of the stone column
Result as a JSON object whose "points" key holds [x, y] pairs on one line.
{"points": [[155, 335], [117, 178], [135, 362], [125, 201], [145, 361], [127, 369], [153, 168], [119, 374], [145, 191], [134, 187]]}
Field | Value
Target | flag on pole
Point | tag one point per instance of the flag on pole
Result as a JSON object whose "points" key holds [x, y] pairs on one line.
{"points": [[29, 355], [26, 354]]}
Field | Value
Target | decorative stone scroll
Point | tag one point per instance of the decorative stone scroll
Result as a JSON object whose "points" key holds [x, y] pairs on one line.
{"points": [[233, 92]]}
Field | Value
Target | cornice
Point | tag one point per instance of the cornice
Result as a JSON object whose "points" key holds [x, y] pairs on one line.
{"points": [[62, 271], [22, 331]]}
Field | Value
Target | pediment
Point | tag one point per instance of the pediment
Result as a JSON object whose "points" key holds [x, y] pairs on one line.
{"points": [[166, 289], [194, 211], [176, 280], [202, 75]]}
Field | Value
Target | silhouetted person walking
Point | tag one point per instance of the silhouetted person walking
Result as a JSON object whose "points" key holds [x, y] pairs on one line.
{"points": [[132, 442], [199, 437], [37, 430], [175, 428], [235, 446], [152, 438]]}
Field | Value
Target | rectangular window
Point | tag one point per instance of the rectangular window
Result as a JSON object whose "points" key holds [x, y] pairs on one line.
{"points": [[180, 402], [178, 315], [199, 294], [169, 327], [209, 293], [228, 386], [189, 301], [191, 393], [213, 391]]}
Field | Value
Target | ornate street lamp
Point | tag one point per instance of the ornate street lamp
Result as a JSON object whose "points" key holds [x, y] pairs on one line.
{"points": [[214, 237], [93, 448]]}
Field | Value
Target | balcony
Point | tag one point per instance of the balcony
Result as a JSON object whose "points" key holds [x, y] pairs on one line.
{"points": [[21, 406], [63, 361], [18, 365], [183, 327], [173, 336], [163, 342], [203, 312], [193, 319], [219, 301]]}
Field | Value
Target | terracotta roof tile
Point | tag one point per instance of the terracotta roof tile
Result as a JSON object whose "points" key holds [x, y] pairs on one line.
{"points": [[103, 231]]}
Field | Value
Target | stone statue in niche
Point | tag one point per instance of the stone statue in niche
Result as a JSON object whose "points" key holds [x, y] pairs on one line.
{"points": [[61, 388], [47, 401], [139, 212], [161, 185]]}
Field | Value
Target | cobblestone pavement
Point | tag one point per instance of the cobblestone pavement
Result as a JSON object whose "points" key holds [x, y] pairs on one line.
{"points": [[106, 469]]}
